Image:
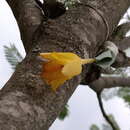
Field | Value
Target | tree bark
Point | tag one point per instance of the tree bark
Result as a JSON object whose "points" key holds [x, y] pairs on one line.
{"points": [[26, 102], [124, 43], [110, 82]]}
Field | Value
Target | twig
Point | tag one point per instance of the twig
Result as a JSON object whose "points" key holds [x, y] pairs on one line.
{"points": [[103, 111]]}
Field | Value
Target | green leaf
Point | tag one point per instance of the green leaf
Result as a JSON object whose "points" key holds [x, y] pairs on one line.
{"points": [[64, 113], [94, 127], [108, 94], [106, 126], [70, 3], [12, 55], [127, 99], [124, 93], [114, 121]]}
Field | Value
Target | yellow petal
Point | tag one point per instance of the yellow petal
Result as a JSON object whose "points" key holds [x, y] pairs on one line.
{"points": [[72, 69], [53, 76], [45, 55], [65, 56], [60, 57], [52, 66], [56, 83]]}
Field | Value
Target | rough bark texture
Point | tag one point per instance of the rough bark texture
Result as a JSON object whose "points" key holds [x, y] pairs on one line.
{"points": [[26, 103], [123, 43]]}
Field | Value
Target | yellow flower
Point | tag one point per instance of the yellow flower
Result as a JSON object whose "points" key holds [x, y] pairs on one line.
{"points": [[61, 66]]}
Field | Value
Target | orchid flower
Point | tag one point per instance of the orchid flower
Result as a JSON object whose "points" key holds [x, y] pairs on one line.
{"points": [[61, 66]]}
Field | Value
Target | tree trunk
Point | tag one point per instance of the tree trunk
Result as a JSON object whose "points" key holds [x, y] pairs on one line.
{"points": [[26, 102]]}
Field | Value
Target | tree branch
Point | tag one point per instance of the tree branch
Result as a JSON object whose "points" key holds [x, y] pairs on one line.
{"points": [[120, 32], [26, 102], [109, 82], [124, 43], [28, 17], [121, 60], [106, 117]]}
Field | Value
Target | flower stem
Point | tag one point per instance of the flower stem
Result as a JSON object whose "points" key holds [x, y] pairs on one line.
{"points": [[88, 61]]}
